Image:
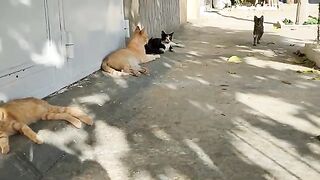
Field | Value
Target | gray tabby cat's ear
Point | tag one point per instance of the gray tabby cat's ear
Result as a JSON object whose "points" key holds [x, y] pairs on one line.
{"points": [[262, 18], [255, 17]]}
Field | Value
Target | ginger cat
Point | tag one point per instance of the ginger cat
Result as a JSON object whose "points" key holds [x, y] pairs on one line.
{"points": [[129, 59], [16, 115]]}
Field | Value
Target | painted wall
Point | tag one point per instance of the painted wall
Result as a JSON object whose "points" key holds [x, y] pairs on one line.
{"points": [[193, 9], [46, 45]]}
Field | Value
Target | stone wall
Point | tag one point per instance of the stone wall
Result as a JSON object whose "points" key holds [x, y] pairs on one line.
{"points": [[155, 15]]}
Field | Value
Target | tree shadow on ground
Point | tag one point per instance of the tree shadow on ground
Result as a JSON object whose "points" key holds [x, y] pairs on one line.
{"points": [[196, 116]]}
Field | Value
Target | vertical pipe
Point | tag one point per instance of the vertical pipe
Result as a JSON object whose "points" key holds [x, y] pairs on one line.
{"points": [[318, 36], [47, 19]]}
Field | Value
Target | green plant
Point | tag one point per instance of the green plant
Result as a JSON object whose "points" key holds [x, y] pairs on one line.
{"points": [[287, 21], [311, 20]]}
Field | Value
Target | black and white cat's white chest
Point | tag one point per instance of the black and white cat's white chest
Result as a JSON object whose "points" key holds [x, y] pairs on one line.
{"points": [[161, 45]]}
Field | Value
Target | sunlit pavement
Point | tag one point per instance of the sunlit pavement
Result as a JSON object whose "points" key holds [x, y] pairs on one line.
{"points": [[196, 117]]}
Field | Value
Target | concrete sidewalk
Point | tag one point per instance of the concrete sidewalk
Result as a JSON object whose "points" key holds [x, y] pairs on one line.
{"points": [[196, 117]]}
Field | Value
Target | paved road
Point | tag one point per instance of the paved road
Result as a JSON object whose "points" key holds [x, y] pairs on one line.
{"points": [[196, 117]]}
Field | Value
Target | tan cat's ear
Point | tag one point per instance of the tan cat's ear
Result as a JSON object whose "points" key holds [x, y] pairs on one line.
{"points": [[142, 31], [137, 29], [3, 114]]}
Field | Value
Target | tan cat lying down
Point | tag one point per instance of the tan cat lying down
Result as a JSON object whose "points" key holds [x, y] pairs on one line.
{"points": [[129, 59], [16, 115]]}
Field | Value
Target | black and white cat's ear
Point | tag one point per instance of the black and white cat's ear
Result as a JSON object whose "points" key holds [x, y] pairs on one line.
{"points": [[163, 33], [171, 34]]}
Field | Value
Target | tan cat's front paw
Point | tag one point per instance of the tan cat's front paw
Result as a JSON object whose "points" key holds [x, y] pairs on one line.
{"points": [[5, 149], [157, 56]]}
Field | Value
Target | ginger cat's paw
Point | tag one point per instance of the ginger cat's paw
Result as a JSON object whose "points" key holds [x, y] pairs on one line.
{"points": [[5, 149], [38, 141], [87, 120], [77, 124]]}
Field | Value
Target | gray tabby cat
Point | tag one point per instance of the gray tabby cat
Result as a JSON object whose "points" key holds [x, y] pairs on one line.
{"points": [[258, 30]]}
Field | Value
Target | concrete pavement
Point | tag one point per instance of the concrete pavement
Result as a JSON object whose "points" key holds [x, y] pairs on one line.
{"points": [[196, 117]]}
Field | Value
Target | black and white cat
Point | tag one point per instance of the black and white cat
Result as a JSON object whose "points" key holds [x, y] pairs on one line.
{"points": [[161, 45]]}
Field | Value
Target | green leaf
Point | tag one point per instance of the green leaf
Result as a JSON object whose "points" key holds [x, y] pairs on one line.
{"points": [[234, 59]]}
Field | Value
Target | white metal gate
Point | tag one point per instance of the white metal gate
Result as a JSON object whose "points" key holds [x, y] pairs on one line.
{"points": [[48, 44]]}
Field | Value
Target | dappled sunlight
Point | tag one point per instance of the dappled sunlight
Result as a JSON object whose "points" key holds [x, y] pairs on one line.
{"points": [[167, 65], [279, 110], [22, 42], [202, 155], [198, 79], [98, 99], [205, 107], [266, 53], [304, 85], [171, 173], [171, 86], [160, 133], [220, 46], [272, 64], [253, 156], [68, 139], [274, 155], [50, 56], [314, 148], [194, 53], [23, 2], [117, 77], [260, 78], [224, 59], [244, 47], [109, 147], [193, 61]]}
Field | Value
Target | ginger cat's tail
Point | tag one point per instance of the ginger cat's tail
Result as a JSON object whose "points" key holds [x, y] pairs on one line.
{"points": [[107, 70], [71, 114]]}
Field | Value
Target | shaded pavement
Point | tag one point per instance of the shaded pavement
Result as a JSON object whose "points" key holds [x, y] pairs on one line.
{"points": [[196, 117]]}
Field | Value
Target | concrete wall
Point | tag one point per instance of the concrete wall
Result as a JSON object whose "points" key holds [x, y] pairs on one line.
{"points": [[183, 11], [156, 15], [193, 9], [47, 45]]}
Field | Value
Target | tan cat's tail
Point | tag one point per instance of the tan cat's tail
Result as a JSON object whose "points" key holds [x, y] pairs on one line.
{"points": [[106, 68], [73, 111]]}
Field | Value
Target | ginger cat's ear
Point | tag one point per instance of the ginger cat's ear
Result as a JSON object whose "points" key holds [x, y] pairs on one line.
{"points": [[3, 114]]}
